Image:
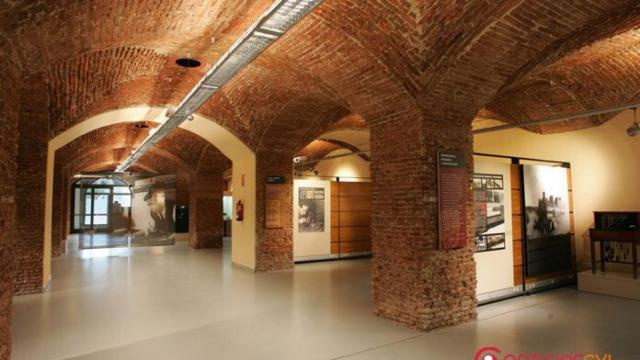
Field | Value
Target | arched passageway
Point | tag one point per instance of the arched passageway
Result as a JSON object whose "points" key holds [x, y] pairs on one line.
{"points": [[242, 158]]}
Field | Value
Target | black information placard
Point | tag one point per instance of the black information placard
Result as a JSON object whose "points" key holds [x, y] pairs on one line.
{"points": [[276, 179], [452, 201]]}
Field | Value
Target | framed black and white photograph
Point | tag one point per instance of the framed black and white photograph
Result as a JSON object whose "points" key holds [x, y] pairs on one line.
{"points": [[311, 205], [153, 213], [547, 219], [488, 197]]}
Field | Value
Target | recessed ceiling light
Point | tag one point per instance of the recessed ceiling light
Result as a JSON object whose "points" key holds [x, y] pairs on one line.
{"points": [[188, 62]]}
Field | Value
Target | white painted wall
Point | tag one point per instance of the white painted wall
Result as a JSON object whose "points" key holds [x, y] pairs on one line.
{"points": [[348, 168], [605, 167]]}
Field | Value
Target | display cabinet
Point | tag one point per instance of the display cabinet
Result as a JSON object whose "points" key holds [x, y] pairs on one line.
{"points": [[616, 227]]}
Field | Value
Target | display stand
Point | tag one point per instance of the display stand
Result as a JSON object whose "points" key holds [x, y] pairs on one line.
{"points": [[615, 227], [524, 284]]}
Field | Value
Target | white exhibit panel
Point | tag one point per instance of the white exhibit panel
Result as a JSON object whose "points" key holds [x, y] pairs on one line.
{"points": [[311, 219], [494, 235]]}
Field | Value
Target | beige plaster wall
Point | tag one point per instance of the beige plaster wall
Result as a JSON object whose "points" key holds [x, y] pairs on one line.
{"points": [[605, 166]]}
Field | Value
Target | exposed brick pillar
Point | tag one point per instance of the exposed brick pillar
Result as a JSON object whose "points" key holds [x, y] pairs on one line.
{"points": [[413, 282], [8, 151], [30, 191], [206, 223], [274, 247], [183, 184]]}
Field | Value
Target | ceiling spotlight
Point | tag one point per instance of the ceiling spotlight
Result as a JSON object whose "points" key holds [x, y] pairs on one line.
{"points": [[634, 129], [299, 159], [188, 62]]}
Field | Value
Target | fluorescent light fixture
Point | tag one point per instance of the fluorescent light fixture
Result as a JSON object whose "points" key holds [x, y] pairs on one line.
{"points": [[274, 23]]}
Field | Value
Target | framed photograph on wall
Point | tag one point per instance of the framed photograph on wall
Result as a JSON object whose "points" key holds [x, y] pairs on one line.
{"points": [[488, 197], [310, 212], [547, 219]]}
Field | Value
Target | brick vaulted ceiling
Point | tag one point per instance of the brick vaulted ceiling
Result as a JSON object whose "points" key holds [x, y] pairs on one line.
{"points": [[349, 61], [103, 149]]}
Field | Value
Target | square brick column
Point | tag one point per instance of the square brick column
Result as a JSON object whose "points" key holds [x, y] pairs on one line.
{"points": [[274, 247], [413, 282], [8, 151], [206, 223], [30, 192]]}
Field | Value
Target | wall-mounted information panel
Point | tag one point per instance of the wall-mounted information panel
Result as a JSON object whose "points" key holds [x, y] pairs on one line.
{"points": [[452, 200]]}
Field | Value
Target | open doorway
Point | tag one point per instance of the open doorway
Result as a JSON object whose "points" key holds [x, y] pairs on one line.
{"points": [[101, 205], [332, 198]]}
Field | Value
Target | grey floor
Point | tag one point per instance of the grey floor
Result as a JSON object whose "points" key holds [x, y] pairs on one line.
{"points": [[176, 303]]}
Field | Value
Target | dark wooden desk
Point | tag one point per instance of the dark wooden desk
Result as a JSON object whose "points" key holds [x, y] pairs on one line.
{"points": [[621, 236]]}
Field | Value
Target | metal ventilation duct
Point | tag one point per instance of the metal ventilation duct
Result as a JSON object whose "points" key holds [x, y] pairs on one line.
{"points": [[274, 23]]}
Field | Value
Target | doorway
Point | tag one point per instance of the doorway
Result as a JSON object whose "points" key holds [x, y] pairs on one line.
{"points": [[101, 205]]}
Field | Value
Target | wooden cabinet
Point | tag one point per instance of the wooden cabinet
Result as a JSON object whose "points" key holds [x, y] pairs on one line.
{"points": [[620, 227]]}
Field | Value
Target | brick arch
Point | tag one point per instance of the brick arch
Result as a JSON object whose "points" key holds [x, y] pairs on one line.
{"points": [[597, 76], [316, 150], [232, 147], [312, 117], [74, 84], [111, 137], [198, 165], [104, 149], [622, 19], [55, 31], [158, 161], [541, 99]]}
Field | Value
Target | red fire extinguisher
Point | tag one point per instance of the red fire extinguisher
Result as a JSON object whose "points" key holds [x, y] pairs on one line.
{"points": [[239, 211]]}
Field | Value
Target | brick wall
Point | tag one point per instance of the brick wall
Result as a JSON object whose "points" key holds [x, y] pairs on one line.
{"points": [[206, 223], [30, 191], [274, 247], [183, 184], [8, 151]]}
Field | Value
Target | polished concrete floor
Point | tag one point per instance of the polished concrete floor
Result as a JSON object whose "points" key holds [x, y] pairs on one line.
{"points": [[176, 303]]}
